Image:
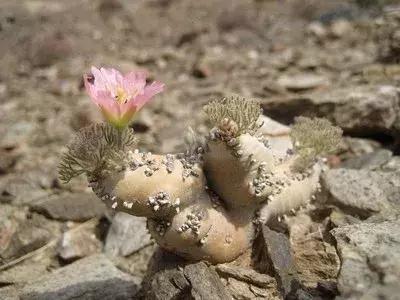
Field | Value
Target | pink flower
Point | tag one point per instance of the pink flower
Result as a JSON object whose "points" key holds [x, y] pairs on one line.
{"points": [[120, 96]]}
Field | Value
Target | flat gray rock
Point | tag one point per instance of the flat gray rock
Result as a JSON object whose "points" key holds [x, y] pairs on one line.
{"points": [[362, 192], [205, 282], [26, 271], [370, 255], [282, 261], [246, 275], [239, 289], [94, 277], [359, 146], [9, 293], [168, 285], [79, 242], [358, 109], [277, 136], [392, 165], [303, 81], [170, 277], [20, 234], [369, 161], [70, 207], [127, 235], [20, 190]]}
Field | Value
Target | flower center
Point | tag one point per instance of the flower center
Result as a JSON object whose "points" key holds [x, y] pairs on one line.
{"points": [[121, 95]]}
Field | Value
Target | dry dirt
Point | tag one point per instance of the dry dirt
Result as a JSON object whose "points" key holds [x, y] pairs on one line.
{"points": [[273, 51]]}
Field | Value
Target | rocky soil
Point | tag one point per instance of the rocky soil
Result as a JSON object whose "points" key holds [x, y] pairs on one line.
{"points": [[335, 59]]}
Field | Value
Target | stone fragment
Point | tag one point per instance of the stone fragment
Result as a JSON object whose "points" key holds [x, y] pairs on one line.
{"points": [[262, 293], [244, 274], [93, 277], [316, 260], [341, 28], [70, 207], [170, 277], [168, 285], [301, 82], [79, 242], [370, 255], [370, 161], [300, 225], [276, 136], [317, 29], [19, 234], [359, 146], [126, 235], [338, 219], [7, 161], [9, 293], [364, 109], [240, 290], [272, 128], [362, 192], [205, 283], [392, 165], [20, 190], [279, 252], [246, 283], [26, 271]]}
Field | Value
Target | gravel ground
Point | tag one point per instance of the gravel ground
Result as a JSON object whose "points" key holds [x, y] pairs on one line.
{"points": [[334, 59]]}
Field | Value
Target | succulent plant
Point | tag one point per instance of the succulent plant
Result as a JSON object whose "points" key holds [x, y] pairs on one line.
{"points": [[206, 203]]}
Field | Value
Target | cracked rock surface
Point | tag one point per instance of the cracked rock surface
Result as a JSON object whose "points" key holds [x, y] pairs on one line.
{"points": [[94, 277], [370, 255]]}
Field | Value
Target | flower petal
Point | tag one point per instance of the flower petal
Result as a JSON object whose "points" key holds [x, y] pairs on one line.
{"points": [[134, 82], [112, 79], [107, 102], [149, 91], [100, 97], [100, 81], [120, 96], [127, 116]]}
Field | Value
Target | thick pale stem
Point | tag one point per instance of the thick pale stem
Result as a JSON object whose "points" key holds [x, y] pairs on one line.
{"points": [[184, 216], [231, 166], [152, 186], [205, 231], [298, 193]]}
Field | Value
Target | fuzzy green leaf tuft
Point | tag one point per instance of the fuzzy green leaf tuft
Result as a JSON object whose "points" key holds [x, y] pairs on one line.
{"points": [[95, 150], [244, 114], [312, 138]]}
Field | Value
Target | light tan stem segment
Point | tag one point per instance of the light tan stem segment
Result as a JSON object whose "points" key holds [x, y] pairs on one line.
{"points": [[231, 168], [203, 231], [167, 190]]}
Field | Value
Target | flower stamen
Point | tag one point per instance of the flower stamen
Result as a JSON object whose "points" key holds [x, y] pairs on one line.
{"points": [[121, 96]]}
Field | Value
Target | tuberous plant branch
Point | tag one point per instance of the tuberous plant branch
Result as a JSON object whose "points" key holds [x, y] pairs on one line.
{"points": [[203, 204]]}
